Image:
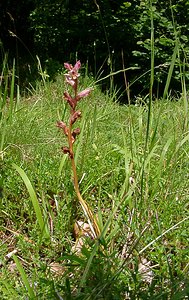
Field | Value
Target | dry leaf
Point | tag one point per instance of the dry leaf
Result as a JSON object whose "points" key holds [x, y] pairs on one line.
{"points": [[82, 229], [12, 267], [56, 268], [145, 270], [78, 245]]}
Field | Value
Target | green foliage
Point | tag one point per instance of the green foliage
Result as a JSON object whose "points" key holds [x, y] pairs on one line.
{"points": [[24, 278], [39, 215], [168, 30], [107, 28], [139, 219], [56, 32]]}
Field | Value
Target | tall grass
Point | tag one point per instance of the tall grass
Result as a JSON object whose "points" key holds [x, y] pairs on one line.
{"points": [[112, 162], [41, 217], [132, 164], [8, 100]]}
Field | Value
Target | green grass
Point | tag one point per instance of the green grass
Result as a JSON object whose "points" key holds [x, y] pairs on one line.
{"points": [[138, 191], [132, 163]]}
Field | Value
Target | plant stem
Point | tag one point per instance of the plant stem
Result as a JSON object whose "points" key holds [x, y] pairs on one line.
{"points": [[88, 213]]}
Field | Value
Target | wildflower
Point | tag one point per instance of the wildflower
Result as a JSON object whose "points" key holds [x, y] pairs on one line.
{"points": [[70, 100], [62, 125], [84, 93], [75, 133], [72, 75], [72, 79], [73, 71], [66, 150], [76, 115]]}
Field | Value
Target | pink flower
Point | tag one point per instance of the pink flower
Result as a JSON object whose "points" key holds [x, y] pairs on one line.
{"points": [[70, 67], [69, 80], [73, 71], [77, 65], [84, 93], [76, 131]]}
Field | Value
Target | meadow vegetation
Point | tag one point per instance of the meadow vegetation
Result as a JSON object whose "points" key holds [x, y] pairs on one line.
{"points": [[94, 198], [132, 171]]}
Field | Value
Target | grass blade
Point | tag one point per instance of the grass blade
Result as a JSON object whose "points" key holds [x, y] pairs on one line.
{"points": [[95, 249], [161, 235], [24, 277], [36, 206], [12, 92], [171, 69]]}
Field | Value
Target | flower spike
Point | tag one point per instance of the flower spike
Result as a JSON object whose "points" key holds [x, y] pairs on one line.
{"points": [[76, 115], [71, 78]]}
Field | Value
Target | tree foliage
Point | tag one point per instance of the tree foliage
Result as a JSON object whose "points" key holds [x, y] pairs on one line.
{"points": [[100, 31]]}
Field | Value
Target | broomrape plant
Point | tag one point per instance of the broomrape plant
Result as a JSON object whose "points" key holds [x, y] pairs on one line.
{"points": [[71, 79]]}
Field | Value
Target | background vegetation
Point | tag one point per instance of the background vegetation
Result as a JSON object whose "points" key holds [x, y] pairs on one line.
{"points": [[106, 35]]}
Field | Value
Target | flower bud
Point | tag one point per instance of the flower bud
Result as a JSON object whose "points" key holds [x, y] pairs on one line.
{"points": [[70, 100], [63, 126], [66, 150], [75, 116], [75, 133]]}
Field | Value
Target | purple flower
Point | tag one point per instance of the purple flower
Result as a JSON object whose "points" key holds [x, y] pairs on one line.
{"points": [[72, 79]]}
